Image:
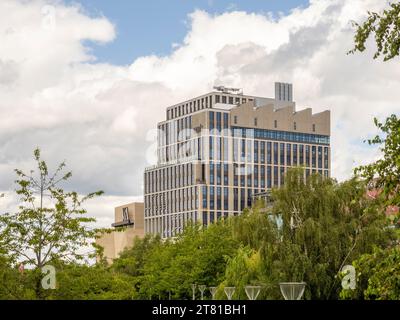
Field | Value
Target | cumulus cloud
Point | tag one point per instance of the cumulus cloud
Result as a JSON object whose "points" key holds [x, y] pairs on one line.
{"points": [[97, 116]]}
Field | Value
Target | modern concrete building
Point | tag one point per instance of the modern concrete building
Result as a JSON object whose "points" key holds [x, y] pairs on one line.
{"points": [[217, 150], [129, 219]]}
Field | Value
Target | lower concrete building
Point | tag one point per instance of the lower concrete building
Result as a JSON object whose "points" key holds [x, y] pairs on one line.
{"points": [[129, 224]]}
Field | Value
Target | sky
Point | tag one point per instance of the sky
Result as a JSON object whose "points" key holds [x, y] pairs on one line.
{"points": [[87, 81], [154, 26]]}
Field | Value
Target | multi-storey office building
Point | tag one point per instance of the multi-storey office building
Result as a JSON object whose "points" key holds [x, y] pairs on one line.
{"points": [[216, 151]]}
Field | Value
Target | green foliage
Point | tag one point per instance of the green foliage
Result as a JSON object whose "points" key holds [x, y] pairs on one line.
{"points": [[378, 276], [82, 282], [245, 268], [314, 228], [196, 256], [385, 172], [51, 224], [385, 27], [11, 287]]}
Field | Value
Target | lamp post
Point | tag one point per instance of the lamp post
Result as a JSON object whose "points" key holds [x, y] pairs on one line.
{"points": [[194, 291], [252, 292], [292, 290], [202, 288], [229, 291]]}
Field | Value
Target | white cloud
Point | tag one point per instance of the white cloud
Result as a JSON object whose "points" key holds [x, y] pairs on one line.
{"points": [[97, 116]]}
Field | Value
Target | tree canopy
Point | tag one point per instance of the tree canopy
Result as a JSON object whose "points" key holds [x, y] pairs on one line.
{"points": [[385, 27]]}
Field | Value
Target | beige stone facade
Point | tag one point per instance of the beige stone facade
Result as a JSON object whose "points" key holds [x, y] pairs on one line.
{"points": [[129, 224]]}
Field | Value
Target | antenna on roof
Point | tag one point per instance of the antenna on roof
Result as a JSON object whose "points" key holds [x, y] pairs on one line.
{"points": [[229, 90]]}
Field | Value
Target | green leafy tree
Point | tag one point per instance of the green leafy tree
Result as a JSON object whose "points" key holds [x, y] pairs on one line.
{"points": [[378, 276], [50, 225], [385, 172], [97, 282], [314, 228], [385, 27], [197, 256]]}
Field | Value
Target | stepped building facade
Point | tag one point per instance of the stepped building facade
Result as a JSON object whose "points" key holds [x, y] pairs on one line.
{"points": [[217, 151]]}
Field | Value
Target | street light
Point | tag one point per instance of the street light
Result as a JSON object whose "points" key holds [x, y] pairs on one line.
{"points": [[292, 290], [252, 292], [213, 291], [229, 291], [194, 291], [202, 288]]}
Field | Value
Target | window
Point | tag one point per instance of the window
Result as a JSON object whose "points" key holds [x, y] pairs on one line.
{"points": [[295, 126], [217, 98], [235, 174], [223, 99], [235, 119], [205, 222], [230, 100], [249, 175], [219, 126], [211, 148], [262, 178], [219, 173], [275, 153], [313, 127], [226, 175], [262, 147], [256, 151], [269, 177], [212, 195], [235, 199], [295, 154], [301, 151], [307, 156], [226, 198], [314, 156], [125, 214], [242, 199], [320, 157], [212, 179], [276, 176], [288, 154], [282, 175], [275, 124], [326, 157], [211, 116], [255, 122], [219, 198], [226, 120], [256, 176], [282, 153]]}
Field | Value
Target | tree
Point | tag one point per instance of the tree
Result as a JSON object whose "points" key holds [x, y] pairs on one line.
{"points": [[83, 282], [198, 256], [314, 228], [385, 27], [378, 276], [50, 225], [385, 172]]}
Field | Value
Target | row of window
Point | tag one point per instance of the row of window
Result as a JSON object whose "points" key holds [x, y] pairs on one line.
{"points": [[167, 178], [279, 135], [189, 107], [215, 198], [179, 200], [169, 225], [247, 150], [210, 217], [174, 131], [203, 103]]}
